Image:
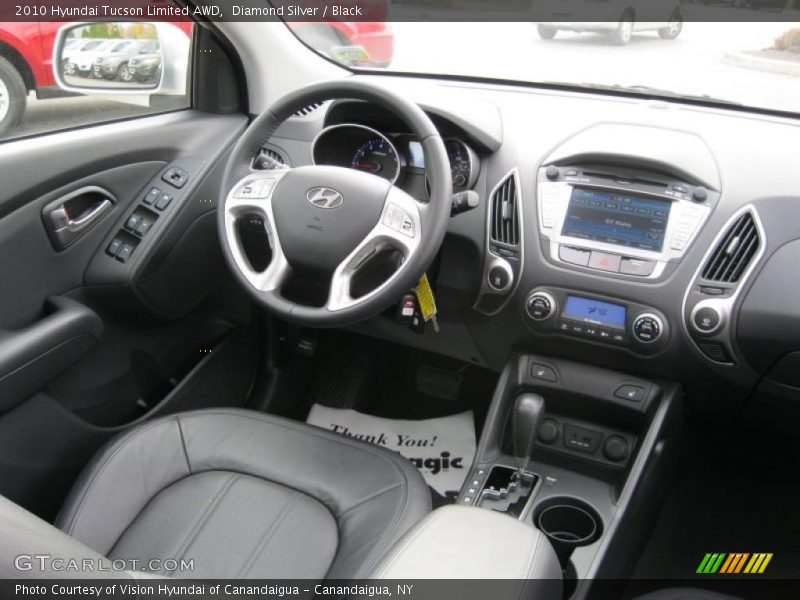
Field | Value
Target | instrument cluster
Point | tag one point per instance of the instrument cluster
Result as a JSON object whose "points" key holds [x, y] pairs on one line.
{"points": [[395, 157]]}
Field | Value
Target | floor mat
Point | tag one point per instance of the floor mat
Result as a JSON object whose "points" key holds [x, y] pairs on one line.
{"points": [[441, 448], [734, 491]]}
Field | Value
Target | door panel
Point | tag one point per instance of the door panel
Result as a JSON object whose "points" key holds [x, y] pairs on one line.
{"points": [[91, 341]]}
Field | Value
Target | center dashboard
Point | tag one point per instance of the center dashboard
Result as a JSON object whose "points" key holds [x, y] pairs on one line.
{"points": [[602, 237]]}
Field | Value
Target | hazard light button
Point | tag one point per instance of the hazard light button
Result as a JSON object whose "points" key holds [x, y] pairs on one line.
{"points": [[605, 261]]}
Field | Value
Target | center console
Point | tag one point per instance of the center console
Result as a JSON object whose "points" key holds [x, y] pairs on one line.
{"points": [[576, 451]]}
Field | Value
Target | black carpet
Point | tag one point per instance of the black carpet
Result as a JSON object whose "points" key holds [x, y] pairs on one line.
{"points": [[734, 491]]}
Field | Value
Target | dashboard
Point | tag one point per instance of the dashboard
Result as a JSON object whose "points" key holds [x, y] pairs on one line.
{"points": [[646, 237]]}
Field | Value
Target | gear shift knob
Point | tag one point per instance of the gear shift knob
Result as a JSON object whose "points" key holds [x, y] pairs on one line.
{"points": [[525, 418]]}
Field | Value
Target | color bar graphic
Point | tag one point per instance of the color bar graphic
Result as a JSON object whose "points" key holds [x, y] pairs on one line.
{"points": [[734, 563]]}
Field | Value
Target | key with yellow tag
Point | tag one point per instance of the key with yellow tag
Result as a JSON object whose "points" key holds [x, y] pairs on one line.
{"points": [[427, 303]]}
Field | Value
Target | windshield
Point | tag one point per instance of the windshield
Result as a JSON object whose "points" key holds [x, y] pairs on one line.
{"points": [[755, 64]]}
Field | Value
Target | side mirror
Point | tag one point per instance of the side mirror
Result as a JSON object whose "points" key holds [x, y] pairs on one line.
{"points": [[128, 58]]}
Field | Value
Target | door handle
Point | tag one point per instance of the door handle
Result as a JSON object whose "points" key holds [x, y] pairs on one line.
{"points": [[69, 217]]}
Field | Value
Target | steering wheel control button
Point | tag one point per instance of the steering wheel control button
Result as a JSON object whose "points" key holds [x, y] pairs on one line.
{"points": [[176, 177], [634, 393], [706, 320], [615, 448], [647, 328], [604, 261], [548, 432], [540, 306], [256, 189], [574, 256], [399, 220], [543, 372], [151, 196], [636, 266]]}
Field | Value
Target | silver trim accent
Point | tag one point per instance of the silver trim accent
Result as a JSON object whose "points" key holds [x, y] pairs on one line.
{"points": [[493, 259], [559, 193], [273, 277], [726, 305], [357, 126], [325, 198], [381, 237], [501, 264], [656, 318], [714, 305]]}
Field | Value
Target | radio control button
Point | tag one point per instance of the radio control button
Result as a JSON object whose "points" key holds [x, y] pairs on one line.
{"points": [[636, 266], [574, 256], [605, 261], [678, 244]]}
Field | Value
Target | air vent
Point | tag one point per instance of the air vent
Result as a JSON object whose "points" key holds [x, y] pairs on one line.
{"points": [[505, 212], [307, 110], [734, 251], [270, 158]]}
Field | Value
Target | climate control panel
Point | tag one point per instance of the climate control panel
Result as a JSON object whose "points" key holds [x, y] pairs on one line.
{"points": [[558, 311]]}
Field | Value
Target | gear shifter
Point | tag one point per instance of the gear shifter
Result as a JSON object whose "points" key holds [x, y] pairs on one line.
{"points": [[528, 411]]}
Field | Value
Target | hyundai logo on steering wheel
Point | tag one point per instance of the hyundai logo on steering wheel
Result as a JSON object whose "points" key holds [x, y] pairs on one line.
{"points": [[323, 197]]}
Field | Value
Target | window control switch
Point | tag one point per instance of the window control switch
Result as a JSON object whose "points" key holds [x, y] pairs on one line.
{"points": [[125, 252], [143, 227], [164, 201], [114, 247], [152, 196], [133, 222]]}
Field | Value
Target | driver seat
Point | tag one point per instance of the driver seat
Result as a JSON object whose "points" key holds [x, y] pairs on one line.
{"points": [[240, 493]]}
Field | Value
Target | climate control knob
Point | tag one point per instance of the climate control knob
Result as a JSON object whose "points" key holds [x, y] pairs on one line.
{"points": [[540, 306], [647, 328]]}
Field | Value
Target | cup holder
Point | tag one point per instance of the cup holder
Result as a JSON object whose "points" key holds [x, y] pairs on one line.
{"points": [[568, 523]]}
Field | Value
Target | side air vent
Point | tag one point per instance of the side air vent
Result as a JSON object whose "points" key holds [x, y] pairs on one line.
{"points": [[270, 158], [504, 213], [307, 110], [734, 252]]}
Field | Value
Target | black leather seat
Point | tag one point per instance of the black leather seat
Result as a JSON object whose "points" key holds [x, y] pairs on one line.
{"points": [[244, 494]]}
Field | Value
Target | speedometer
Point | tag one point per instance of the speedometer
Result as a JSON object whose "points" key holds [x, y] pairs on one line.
{"points": [[463, 164], [379, 157]]}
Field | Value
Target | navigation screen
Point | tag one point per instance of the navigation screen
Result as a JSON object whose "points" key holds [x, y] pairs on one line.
{"points": [[594, 311], [618, 219]]}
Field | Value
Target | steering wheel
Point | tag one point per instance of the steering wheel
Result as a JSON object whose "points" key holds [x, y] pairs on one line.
{"points": [[333, 221]]}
